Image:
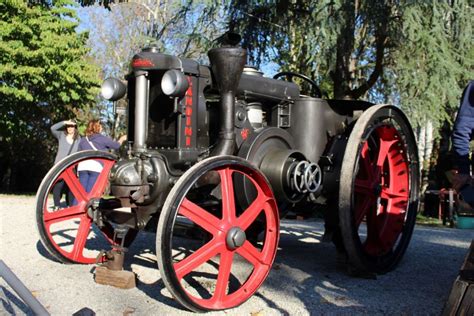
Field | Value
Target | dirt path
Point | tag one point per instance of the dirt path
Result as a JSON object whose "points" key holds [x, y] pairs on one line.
{"points": [[305, 279]]}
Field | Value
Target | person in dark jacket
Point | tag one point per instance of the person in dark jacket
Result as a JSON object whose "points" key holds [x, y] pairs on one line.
{"points": [[89, 170], [68, 141], [463, 133]]}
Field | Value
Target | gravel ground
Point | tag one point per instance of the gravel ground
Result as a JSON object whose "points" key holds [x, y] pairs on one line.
{"points": [[304, 280]]}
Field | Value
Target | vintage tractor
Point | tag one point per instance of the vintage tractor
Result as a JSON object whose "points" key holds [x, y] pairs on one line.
{"points": [[216, 156]]}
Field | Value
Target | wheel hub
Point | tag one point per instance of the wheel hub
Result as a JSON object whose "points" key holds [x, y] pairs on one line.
{"points": [[235, 238]]}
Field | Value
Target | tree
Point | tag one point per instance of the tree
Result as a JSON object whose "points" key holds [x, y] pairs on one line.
{"points": [[45, 75], [432, 65], [435, 60], [184, 28], [344, 45]]}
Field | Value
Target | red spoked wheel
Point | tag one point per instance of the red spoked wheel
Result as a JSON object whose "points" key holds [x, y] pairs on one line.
{"points": [[207, 258], [65, 224], [378, 193]]}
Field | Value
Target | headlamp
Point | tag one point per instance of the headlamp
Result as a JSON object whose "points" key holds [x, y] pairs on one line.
{"points": [[174, 83], [113, 89]]}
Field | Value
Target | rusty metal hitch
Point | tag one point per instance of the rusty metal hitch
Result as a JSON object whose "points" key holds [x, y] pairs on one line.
{"points": [[110, 264]]}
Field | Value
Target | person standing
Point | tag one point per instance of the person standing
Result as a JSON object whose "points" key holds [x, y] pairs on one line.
{"points": [[68, 142], [463, 133], [89, 170]]}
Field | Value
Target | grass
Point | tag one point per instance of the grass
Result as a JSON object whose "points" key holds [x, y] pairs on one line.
{"points": [[428, 221]]}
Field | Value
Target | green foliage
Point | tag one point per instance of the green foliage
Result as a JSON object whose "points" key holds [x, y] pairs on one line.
{"points": [[173, 26], [436, 59], [343, 44], [44, 76], [428, 221]]}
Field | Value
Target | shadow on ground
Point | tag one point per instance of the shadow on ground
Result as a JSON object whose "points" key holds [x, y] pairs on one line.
{"points": [[303, 264], [305, 275]]}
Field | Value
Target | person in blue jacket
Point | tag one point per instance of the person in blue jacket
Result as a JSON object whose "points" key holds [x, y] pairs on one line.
{"points": [[89, 170], [463, 133]]}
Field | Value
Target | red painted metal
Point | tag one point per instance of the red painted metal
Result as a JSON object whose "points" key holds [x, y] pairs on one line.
{"points": [[381, 189], [261, 260], [142, 62], [188, 102], [55, 221]]}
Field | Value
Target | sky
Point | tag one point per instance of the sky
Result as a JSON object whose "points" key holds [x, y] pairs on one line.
{"points": [[268, 68]]}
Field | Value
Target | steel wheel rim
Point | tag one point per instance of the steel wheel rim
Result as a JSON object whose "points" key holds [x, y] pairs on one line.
{"points": [[370, 256], [58, 226], [219, 228]]}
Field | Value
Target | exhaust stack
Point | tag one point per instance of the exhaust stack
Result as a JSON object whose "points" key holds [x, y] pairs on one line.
{"points": [[227, 64]]}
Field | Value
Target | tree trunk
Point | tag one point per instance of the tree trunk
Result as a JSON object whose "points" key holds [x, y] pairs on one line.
{"points": [[428, 142], [425, 149], [5, 185], [345, 44], [421, 131]]}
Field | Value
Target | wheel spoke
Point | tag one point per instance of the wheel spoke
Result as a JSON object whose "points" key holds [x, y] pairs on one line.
{"points": [[199, 216], [63, 214], [387, 193], [367, 161], [225, 267], [81, 237], [384, 149], [69, 176], [197, 258], [392, 228], [101, 182], [251, 213], [372, 241], [364, 187], [251, 254], [227, 189], [362, 209]]}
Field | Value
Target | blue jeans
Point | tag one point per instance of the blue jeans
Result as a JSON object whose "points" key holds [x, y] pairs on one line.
{"points": [[88, 179], [59, 189]]}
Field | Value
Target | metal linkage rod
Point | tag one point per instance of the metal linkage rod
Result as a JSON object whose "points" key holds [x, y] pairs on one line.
{"points": [[21, 290]]}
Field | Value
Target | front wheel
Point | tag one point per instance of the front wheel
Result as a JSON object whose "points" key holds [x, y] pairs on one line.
{"points": [[207, 258], [65, 224], [378, 192]]}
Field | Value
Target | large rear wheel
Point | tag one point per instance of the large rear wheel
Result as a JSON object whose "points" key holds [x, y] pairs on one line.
{"points": [[378, 192], [206, 258]]}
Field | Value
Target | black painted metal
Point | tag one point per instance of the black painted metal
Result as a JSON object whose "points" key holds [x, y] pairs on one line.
{"points": [[170, 134], [312, 123], [289, 75], [254, 150], [227, 64], [276, 166], [21, 290], [235, 238], [256, 88], [159, 61]]}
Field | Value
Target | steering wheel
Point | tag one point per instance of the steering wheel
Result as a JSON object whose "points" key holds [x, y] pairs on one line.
{"points": [[289, 76]]}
